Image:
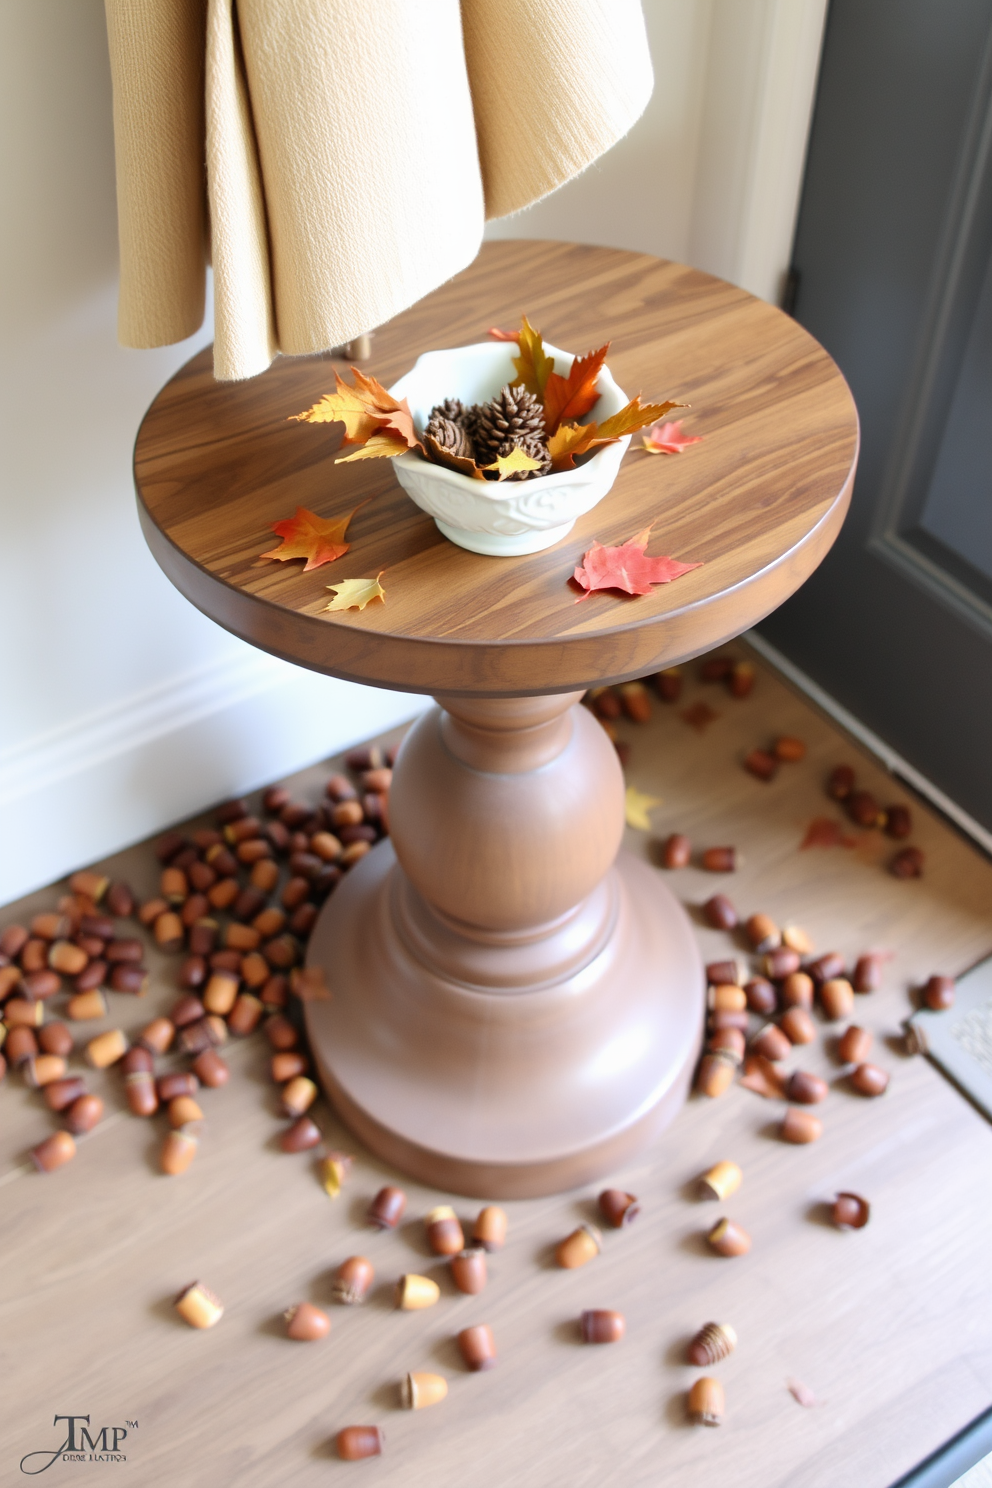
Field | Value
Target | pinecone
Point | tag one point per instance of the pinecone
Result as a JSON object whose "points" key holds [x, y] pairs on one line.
{"points": [[450, 409], [448, 435], [513, 414], [531, 444]]}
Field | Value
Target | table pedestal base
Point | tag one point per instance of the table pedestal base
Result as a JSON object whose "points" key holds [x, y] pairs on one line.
{"points": [[487, 1031]]}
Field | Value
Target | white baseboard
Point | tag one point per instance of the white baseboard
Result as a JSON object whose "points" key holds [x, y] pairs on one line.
{"points": [[114, 776]]}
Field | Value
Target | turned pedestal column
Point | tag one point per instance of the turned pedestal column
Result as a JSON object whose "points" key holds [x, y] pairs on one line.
{"points": [[514, 1007]]}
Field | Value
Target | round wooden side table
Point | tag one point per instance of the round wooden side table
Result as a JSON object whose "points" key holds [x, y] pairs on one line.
{"points": [[515, 1007]]}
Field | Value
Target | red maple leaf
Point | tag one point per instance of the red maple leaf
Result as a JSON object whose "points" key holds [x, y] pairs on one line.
{"points": [[823, 831], [317, 539], [668, 439], [626, 567]]}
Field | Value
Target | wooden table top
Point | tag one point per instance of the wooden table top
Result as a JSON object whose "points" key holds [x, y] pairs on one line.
{"points": [[758, 503], [887, 1327]]}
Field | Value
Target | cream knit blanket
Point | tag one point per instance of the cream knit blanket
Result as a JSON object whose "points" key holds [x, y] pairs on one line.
{"points": [[336, 159]]}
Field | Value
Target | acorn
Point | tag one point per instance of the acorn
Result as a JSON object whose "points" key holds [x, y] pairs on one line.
{"points": [[84, 1113], [771, 1043], [800, 1127], [726, 997], [726, 972], [728, 1043], [798, 1026], [618, 1208], [490, 1226], [353, 1281], [444, 1233], [763, 933], [468, 1270], [387, 1208], [868, 1079], [854, 1045], [199, 1306], [355, 1442], [414, 1293], [806, 1089], [715, 1074], [867, 974], [780, 963], [706, 1402], [850, 1211], [301, 1136], [602, 1325], [761, 996], [54, 1151], [713, 1342], [729, 1238], [306, 1323], [837, 999], [578, 1248], [477, 1347], [178, 1151], [720, 913], [797, 990], [420, 1390], [720, 1181], [939, 993]]}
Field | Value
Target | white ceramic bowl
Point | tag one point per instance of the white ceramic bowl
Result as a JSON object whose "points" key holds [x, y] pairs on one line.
{"points": [[500, 518]]}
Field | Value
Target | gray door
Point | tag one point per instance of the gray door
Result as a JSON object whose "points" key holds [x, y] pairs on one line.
{"points": [[893, 273]]}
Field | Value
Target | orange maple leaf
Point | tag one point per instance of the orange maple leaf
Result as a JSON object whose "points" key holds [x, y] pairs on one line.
{"points": [[308, 536], [568, 398], [633, 416], [499, 335]]}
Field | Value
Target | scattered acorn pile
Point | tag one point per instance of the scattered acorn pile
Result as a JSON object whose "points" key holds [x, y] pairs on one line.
{"points": [[486, 432], [238, 901]]}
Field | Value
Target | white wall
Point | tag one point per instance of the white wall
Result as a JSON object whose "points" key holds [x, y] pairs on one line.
{"points": [[122, 708], [710, 174]]}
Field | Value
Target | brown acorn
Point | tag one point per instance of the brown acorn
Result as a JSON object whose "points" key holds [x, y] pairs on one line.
{"points": [[387, 1208], [806, 1089], [602, 1325], [355, 1442], [353, 1280], [578, 1248], [729, 1238], [306, 1323], [713, 1342], [618, 1208], [478, 1347], [868, 1079], [490, 1227], [800, 1127], [444, 1233], [706, 1402], [850, 1211], [468, 1270], [854, 1045]]}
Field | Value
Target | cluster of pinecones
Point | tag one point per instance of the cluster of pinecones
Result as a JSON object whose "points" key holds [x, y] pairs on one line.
{"points": [[485, 431]]}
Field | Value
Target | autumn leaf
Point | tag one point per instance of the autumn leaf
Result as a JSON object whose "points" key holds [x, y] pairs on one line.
{"points": [[636, 806], [633, 416], [381, 445], [572, 440], [626, 567], [499, 335], [355, 594], [668, 439], [513, 463], [533, 365], [366, 410], [311, 537], [823, 831], [567, 399]]}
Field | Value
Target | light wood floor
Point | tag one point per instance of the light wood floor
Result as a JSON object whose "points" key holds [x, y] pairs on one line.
{"points": [[887, 1327]]}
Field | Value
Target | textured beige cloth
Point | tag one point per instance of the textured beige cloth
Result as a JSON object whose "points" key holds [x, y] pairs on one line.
{"points": [[345, 153]]}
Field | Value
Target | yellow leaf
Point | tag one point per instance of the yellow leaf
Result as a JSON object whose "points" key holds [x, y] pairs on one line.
{"points": [[634, 416], [636, 806], [533, 365], [377, 446], [513, 463], [345, 406], [570, 440], [355, 594]]}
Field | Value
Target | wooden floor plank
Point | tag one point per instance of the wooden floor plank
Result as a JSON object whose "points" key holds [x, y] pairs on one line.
{"points": [[887, 1326]]}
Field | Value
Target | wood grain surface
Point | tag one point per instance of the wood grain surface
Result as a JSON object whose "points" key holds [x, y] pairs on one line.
{"points": [[887, 1326], [758, 503]]}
